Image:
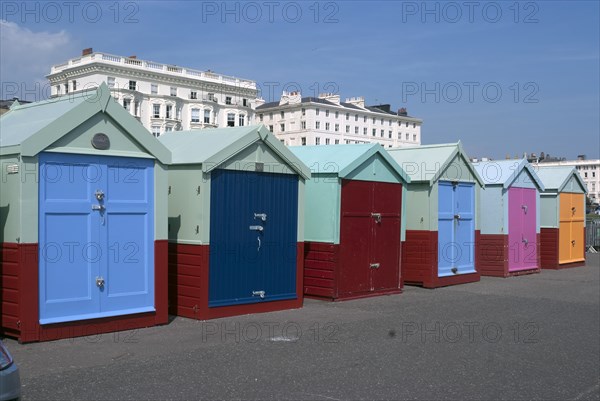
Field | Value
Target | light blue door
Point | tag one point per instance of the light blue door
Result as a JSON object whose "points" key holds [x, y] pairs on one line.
{"points": [[456, 228], [96, 237]]}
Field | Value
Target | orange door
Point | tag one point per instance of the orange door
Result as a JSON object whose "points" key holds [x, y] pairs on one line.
{"points": [[570, 236], [577, 228]]}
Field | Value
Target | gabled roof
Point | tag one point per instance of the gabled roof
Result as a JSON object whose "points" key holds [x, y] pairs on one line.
{"points": [[427, 163], [30, 128], [343, 159], [556, 177], [505, 172], [213, 147]]}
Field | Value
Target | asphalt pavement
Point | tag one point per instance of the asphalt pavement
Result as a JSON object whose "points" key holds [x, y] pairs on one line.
{"points": [[527, 337]]}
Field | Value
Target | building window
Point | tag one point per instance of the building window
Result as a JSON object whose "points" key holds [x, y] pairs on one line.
{"points": [[193, 95], [282, 114], [585, 174], [206, 116], [326, 113], [195, 115], [407, 124], [241, 120], [365, 131], [227, 99], [326, 126], [168, 129], [337, 128], [156, 111], [347, 116], [356, 117], [337, 141], [245, 102], [270, 128], [66, 88], [317, 111], [178, 111], [364, 119], [154, 89], [317, 141], [136, 108], [382, 121], [407, 137], [347, 129], [356, 130], [156, 130], [327, 141], [270, 116], [58, 89], [169, 111], [211, 96], [593, 174], [414, 137], [303, 141], [74, 85], [260, 117], [337, 114], [374, 132], [132, 85], [231, 119], [303, 124], [382, 133], [303, 111], [282, 127], [173, 91], [390, 123], [414, 125], [110, 81], [390, 134], [400, 135], [318, 125], [127, 104]]}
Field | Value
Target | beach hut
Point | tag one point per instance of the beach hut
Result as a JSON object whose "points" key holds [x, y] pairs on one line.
{"points": [[354, 221], [562, 233], [442, 222], [510, 218], [84, 230], [235, 223]]}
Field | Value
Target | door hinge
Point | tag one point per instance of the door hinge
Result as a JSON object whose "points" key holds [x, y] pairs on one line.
{"points": [[260, 294], [374, 265]]}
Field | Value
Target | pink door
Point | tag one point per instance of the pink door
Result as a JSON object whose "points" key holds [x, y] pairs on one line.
{"points": [[522, 229]]}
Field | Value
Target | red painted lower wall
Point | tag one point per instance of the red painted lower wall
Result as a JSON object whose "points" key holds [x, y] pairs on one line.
{"points": [[549, 245], [322, 269], [420, 261], [188, 285], [19, 305], [494, 253]]}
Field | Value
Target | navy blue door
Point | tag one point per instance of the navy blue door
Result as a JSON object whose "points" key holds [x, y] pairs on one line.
{"points": [[96, 236], [253, 237], [456, 228]]}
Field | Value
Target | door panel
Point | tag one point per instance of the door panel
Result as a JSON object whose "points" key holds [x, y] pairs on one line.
{"points": [[386, 245], [565, 212], [578, 247], [564, 242], [245, 260], [529, 245], [515, 229], [72, 224], [577, 207], [456, 228]]}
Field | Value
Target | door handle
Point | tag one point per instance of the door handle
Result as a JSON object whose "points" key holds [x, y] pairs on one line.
{"points": [[99, 194], [525, 241], [257, 228], [260, 294], [524, 207], [100, 208], [457, 216], [262, 216], [377, 217], [100, 281], [573, 210], [573, 243], [374, 265]]}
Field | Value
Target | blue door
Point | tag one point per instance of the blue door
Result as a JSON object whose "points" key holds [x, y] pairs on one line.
{"points": [[456, 228], [253, 237], [96, 237]]}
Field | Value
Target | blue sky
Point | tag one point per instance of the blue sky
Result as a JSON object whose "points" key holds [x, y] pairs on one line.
{"points": [[503, 77]]}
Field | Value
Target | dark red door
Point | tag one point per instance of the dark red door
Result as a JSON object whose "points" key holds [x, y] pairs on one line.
{"points": [[369, 237], [386, 242]]}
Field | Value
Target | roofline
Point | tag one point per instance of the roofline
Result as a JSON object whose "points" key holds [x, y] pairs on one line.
{"points": [[258, 109], [257, 133], [522, 165], [564, 183]]}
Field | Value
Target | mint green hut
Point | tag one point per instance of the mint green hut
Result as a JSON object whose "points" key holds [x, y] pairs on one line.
{"points": [[84, 224], [354, 222], [236, 222], [442, 215]]}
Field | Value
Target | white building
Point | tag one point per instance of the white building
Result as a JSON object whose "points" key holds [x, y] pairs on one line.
{"points": [[163, 97], [589, 170], [325, 120]]}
